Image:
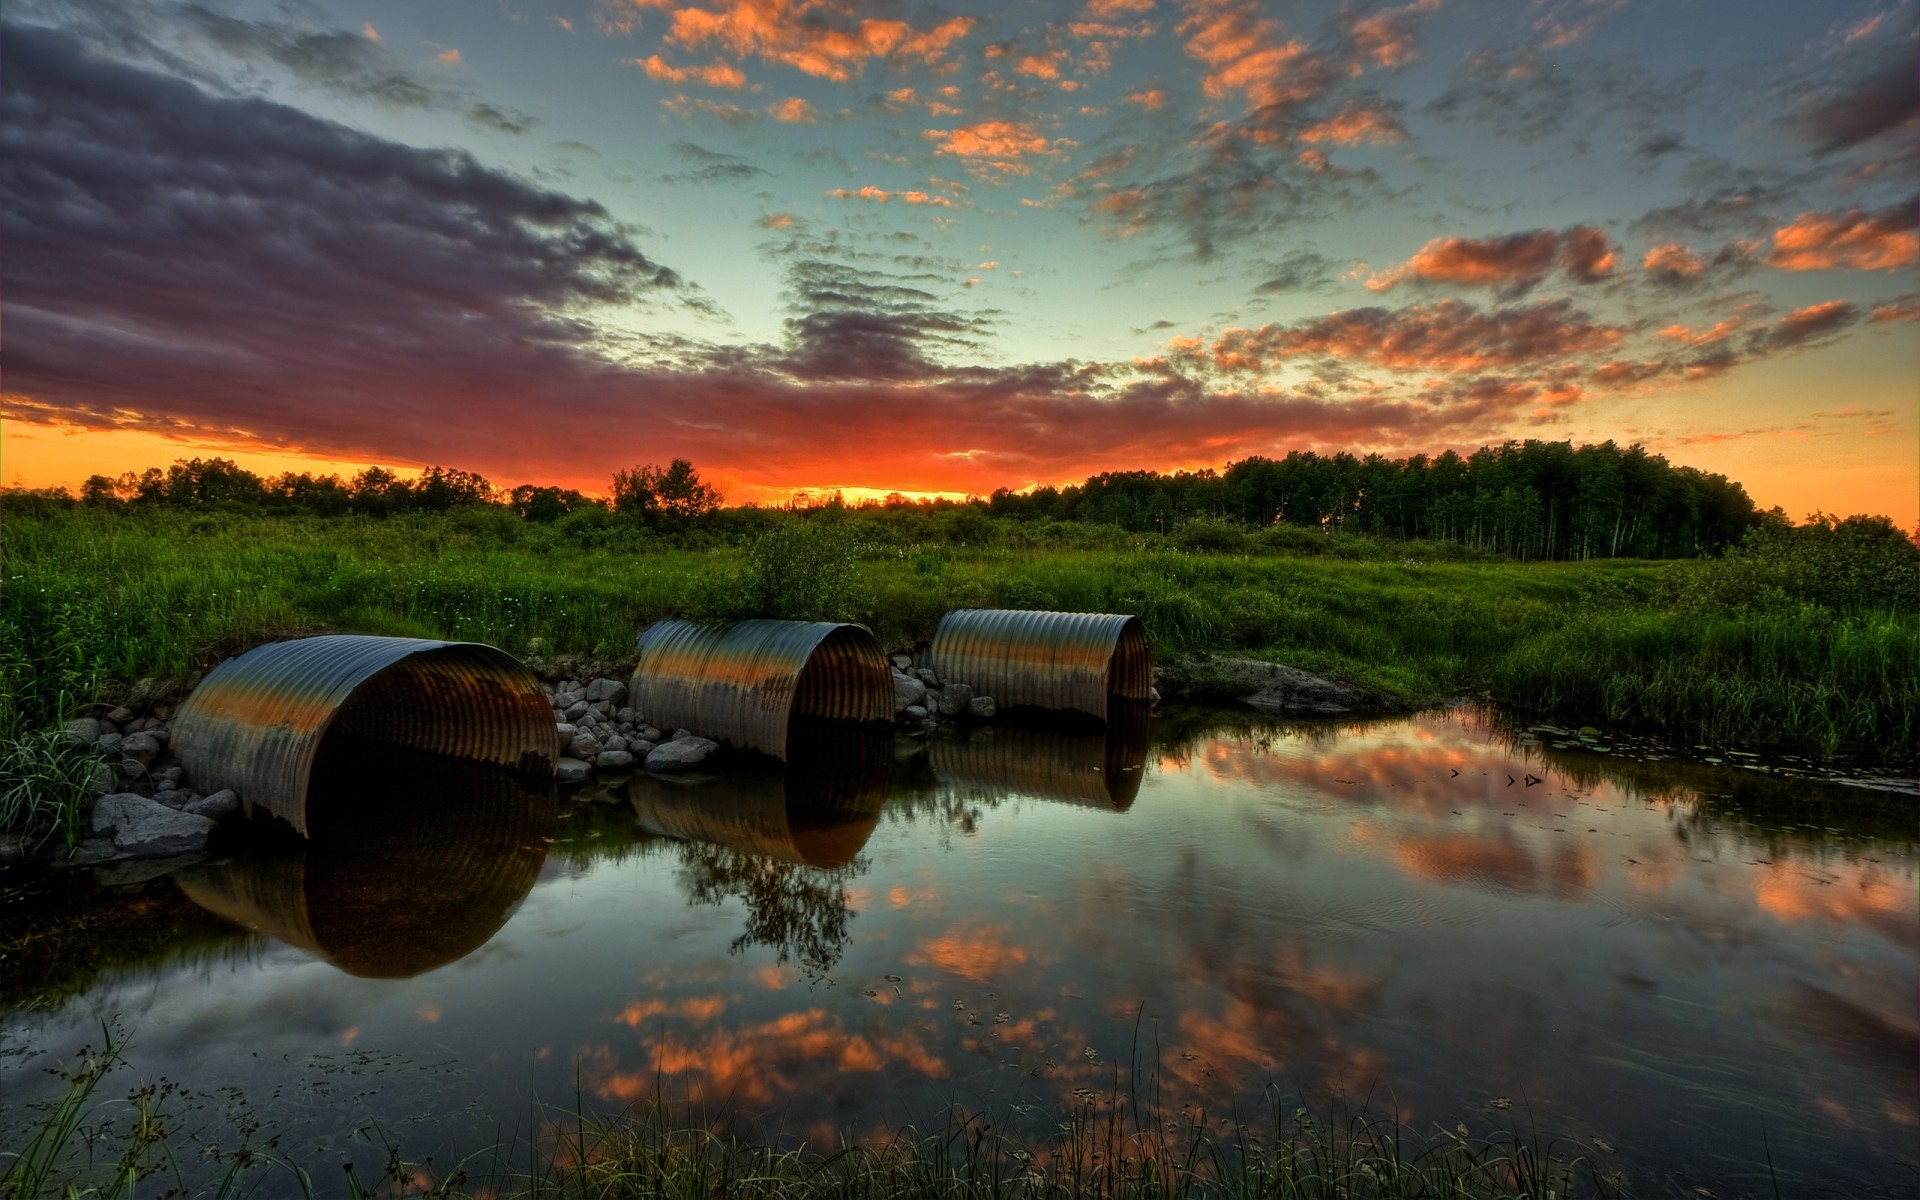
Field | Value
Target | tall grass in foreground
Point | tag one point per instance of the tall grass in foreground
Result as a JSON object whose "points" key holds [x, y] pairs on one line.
{"points": [[1123, 1146]]}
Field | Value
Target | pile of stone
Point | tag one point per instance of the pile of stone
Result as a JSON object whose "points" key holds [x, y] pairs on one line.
{"points": [[599, 733], [144, 806], [922, 701]]}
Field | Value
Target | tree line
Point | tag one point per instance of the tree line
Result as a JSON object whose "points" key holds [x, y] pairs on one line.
{"points": [[1526, 500]]}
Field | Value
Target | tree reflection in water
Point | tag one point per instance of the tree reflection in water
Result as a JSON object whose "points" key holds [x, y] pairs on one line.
{"points": [[785, 842], [798, 911]]}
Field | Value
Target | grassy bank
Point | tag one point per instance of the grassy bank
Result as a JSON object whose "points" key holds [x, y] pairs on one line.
{"points": [[93, 600]]}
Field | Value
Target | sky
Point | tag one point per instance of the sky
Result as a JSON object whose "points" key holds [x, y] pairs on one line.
{"points": [[945, 248]]}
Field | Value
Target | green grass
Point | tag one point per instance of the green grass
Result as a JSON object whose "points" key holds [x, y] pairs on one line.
{"points": [[92, 600]]}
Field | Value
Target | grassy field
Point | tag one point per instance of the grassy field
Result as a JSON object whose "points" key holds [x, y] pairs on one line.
{"points": [[93, 600]]}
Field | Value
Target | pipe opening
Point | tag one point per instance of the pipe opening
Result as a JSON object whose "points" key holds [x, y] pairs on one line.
{"points": [[449, 701]]}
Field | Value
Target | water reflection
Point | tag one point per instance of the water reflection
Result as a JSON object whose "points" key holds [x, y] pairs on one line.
{"points": [[784, 841], [413, 861], [1432, 911], [1071, 765]]}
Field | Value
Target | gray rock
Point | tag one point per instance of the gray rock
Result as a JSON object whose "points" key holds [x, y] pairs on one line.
{"points": [[101, 781], [600, 708], [1269, 687], [607, 689], [145, 828], [914, 712], [566, 734], [110, 742], [640, 747], [576, 709], [85, 731], [680, 754], [615, 742], [217, 807], [682, 733], [926, 676], [982, 708], [612, 760], [903, 662], [584, 746], [907, 691], [570, 770], [173, 797], [1153, 695], [169, 775], [121, 715], [13, 847], [625, 716], [648, 733], [142, 747], [954, 699]]}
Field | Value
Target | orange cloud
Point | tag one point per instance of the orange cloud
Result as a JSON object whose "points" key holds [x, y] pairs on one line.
{"points": [[991, 145], [1674, 260], [1108, 9], [883, 196], [1882, 241], [1040, 66], [715, 74], [1449, 336], [1515, 262], [1245, 54], [981, 955], [1387, 37], [792, 111], [1357, 124], [797, 1051], [817, 37], [1151, 99]]}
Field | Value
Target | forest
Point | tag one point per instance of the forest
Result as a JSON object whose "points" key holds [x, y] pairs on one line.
{"points": [[1529, 500]]}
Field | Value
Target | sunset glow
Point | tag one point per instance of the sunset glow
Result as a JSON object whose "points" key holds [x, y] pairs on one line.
{"points": [[934, 249]]}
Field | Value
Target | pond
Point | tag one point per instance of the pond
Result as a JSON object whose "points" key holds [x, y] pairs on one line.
{"points": [[1687, 968]]}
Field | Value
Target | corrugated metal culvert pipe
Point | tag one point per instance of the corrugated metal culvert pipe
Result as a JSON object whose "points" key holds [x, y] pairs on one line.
{"points": [[1063, 662], [256, 723], [747, 682]]}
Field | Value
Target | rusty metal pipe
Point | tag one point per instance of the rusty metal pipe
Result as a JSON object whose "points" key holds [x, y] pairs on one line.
{"points": [[1063, 662], [257, 721], [744, 683]]}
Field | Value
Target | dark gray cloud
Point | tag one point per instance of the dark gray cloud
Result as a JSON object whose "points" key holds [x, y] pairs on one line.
{"points": [[1859, 107], [1528, 95], [344, 62], [1298, 271], [159, 239], [856, 323], [711, 166]]}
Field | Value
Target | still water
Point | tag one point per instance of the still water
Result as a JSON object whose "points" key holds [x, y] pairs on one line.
{"points": [[1441, 918]]}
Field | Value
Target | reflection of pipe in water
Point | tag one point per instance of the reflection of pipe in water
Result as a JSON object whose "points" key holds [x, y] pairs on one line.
{"points": [[1102, 769], [820, 810], [412, 861]]}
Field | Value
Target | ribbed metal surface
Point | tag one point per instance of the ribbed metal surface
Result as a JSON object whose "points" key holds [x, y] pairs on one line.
{"points": [[414, 861], [820, 810], [256, 722], [1098, 770], [1065, 662], [744, 683]]}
